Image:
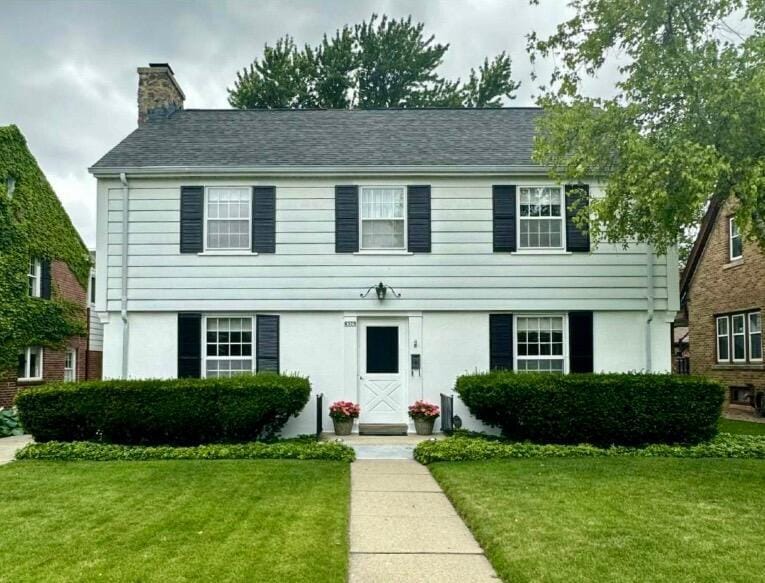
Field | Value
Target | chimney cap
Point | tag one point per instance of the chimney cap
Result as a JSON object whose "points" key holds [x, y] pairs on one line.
{"points": [[162, 65]]}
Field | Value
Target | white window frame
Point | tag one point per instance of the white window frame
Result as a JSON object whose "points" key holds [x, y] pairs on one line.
{"points": [[27, 355], [227, 250], [726, 319], [749, 344], [731, 225], [34, 273], [563, 215], [253, 324], [362, 219], [565, 356], [72, 368], [733, 337]]}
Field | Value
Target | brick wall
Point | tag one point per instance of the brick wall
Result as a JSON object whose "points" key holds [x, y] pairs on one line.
{"points": [[65, 286], [719, 287]]}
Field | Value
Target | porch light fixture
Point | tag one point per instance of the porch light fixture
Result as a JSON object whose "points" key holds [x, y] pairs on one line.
{"points": [[381, 291]]}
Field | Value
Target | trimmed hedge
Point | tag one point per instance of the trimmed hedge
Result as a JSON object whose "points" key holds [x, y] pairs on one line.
{"points": [[299, 449], [158, 412], [604, 409], [460, 448]]}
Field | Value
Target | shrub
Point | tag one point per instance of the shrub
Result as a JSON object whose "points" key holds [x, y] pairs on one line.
{"points": [[300, 449], [461, 448], [178, 411], [604, 409], [9, 422]]}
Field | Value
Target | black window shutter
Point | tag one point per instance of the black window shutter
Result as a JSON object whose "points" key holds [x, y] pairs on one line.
{"points": [[189, 345], [267, 349], [577, 196], [192, 215], [346, 219], [264, 219], [418, 218], [501, 341], [580, 343], [45, 280], [503, 199]]}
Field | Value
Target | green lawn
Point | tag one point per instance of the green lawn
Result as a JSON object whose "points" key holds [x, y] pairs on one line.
{"points": [[265, 520], [617, 519], [745, 427]]}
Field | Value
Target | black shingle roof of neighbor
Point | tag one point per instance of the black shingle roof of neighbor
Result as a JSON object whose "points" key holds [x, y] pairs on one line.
{"points": [[384, 137]]}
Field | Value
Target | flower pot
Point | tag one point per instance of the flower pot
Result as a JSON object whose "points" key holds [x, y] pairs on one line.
{"points": [[424, 426], [343, 427]]}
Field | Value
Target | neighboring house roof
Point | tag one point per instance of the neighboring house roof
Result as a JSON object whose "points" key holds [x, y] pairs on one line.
{"points": [[697, 251], [230, 139]]}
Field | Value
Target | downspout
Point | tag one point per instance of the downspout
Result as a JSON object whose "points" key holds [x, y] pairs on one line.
{"points": [[123, 298], [650, 307]]}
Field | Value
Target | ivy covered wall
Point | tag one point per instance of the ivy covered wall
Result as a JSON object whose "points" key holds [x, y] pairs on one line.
{"points": [[33, 223]]}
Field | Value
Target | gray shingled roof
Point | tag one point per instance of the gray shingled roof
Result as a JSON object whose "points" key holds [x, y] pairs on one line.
{"points": [[268, 138]]}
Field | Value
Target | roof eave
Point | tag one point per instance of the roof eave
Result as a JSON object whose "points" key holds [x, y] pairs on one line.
{"points": [[169, 171]]}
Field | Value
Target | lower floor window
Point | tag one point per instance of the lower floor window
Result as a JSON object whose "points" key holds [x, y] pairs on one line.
{"points": [[739, 337], [539, 342], [228, 347], [70, 365], [30, 364]]}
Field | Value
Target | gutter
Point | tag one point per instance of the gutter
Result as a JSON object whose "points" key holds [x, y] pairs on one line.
{"points": [[124, 275], [289, 171], [650, 307]]}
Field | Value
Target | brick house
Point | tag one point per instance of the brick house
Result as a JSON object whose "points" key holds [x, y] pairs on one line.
{"points": [[78, 357], [723, 295]]}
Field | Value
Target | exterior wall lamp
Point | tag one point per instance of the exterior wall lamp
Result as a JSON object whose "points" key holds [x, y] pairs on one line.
{"points": [[381, 291]]}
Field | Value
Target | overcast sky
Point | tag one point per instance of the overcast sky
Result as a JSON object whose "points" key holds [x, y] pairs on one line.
{"points": [[68, 68]]}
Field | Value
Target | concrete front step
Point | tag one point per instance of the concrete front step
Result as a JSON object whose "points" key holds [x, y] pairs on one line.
{"points": [[383, 428]]}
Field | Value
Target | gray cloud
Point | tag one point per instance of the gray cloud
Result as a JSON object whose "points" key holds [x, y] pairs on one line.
{"points": [[68, 68]]}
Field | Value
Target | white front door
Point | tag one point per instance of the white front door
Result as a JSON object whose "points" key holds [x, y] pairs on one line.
{"points": [[382, 370]]}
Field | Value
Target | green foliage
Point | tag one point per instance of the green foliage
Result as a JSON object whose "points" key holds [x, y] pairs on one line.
{"points": [[9, 422], [33, 224], [176, 411], [625, 409], [298, 449], [463, 448], [686, 123], [375, 64]]}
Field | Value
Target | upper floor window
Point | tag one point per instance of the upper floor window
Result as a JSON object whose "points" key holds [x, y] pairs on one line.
{"points": [[539, 343], [228, 216], [739, 337], [34, 277], [735, 246], [30, 364], [92, 289], [228, 347], [383, 218], [540, 217]]}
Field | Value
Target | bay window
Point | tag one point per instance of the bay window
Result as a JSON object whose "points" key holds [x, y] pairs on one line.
{"points": [[383, 218]]}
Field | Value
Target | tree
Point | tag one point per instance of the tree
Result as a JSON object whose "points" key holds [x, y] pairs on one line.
{"points": [[377, 64], [686, 123]]}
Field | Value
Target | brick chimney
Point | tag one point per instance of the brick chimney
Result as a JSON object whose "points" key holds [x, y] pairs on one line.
{"points": [[159, 94]]}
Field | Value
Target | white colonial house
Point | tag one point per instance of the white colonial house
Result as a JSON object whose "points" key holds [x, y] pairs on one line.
{"points": [[381, 253]]}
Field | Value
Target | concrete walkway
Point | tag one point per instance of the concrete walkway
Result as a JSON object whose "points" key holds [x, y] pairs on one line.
{"points": [[404, 529], [10, 445]]}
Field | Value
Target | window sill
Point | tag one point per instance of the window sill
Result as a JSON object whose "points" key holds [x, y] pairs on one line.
{"points": [[739, 366], [734, 263], [30, 381], [383, 252], [542, 252], [226, 253]]}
